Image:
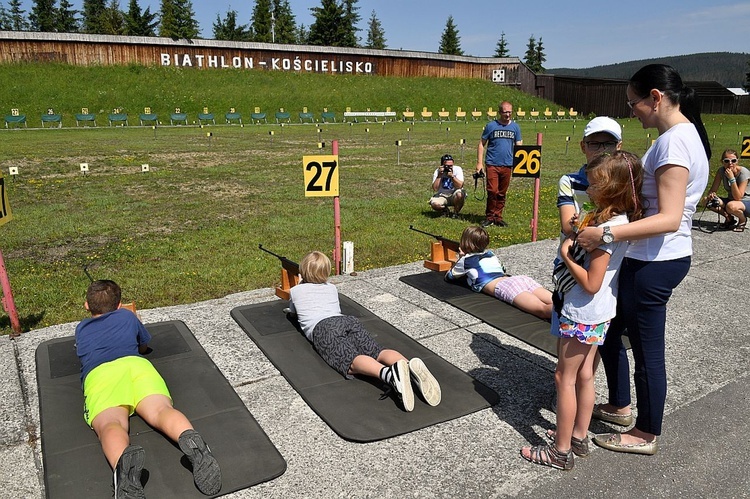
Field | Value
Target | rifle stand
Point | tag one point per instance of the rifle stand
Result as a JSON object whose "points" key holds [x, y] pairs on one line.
{"points": [[289, 279], [130, 306], [441, 257]]}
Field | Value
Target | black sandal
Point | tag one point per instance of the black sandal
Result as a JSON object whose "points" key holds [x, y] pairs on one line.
{"points": [[580, 447], [548, 455], [729, 223], [740, 227]]}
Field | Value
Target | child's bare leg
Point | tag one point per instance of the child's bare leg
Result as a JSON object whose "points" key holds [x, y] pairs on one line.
{"points": [[585, 392], [531, 303], [572, 355], [111, 426], [364, 364], [157, 411]]}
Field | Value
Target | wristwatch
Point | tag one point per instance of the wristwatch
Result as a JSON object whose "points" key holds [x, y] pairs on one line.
{"points": [[607, 236]]}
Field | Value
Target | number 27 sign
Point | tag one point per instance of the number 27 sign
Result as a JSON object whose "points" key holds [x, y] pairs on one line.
{"points": [[321, 175]]}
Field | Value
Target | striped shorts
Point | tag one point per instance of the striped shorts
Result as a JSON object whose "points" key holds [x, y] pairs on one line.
{"points": [[507, 289], [339, 339]]}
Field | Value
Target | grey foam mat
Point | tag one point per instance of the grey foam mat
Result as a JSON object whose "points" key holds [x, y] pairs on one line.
{"points": [[74, 464], [355, 409]]}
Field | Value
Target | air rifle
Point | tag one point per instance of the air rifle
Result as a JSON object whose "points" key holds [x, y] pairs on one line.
{"points": [[443, 252], [289, 274]]}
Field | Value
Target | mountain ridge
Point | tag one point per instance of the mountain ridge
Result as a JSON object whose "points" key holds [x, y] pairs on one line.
{"points": [[727, 68]]}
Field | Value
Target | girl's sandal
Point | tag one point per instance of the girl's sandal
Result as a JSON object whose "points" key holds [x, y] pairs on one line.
{"points": [[580, 447], [548, 455], [740, 227]]}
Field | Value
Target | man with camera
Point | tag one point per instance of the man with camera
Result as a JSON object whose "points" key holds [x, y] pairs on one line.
{"points": [[447, 185]]}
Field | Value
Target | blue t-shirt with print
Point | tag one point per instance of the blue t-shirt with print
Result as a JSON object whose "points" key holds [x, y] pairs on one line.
{"points": [[501, 139]]}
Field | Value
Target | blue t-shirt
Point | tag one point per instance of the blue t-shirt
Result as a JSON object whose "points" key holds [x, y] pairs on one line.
{"points": [[108, 337], [501, 139], [478, 268]]}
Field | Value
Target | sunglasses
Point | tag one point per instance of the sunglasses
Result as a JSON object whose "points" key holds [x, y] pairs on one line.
{"points": [[729, 160]]}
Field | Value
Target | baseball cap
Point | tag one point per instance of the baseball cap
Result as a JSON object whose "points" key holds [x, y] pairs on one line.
{"points": [[446, 157], [603, 124]]}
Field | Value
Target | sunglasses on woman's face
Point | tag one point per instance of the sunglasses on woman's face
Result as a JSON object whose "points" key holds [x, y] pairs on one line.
{"points": [[729, 160]]}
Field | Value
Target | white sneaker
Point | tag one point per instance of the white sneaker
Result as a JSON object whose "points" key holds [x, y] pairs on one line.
{"points": [[425, 381], [401, 382]]}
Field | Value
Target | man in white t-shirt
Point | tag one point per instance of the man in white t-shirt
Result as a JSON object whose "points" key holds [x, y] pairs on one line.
{"points": [[447, 185]]}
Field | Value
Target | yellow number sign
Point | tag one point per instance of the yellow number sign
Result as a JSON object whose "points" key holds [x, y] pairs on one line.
{"points": [[321, 175], [745, 148], [527, 161], [5, 214]]}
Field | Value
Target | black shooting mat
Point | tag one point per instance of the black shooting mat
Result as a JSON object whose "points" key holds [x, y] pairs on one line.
{"points": [[355, 409], [503, 316], [74, 464]]}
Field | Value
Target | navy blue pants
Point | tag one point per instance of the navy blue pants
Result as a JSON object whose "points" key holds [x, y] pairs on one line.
{"points": [[643, 292]]}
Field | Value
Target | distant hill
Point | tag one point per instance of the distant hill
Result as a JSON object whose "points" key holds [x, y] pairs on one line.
{"points": [[728, 68]]}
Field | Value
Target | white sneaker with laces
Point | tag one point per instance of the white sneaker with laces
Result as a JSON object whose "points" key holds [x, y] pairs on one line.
{"points": [[401, 382], [425, 381]]}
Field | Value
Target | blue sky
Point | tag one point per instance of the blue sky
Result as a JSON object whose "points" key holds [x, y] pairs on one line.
{"points": [[575, 34]]}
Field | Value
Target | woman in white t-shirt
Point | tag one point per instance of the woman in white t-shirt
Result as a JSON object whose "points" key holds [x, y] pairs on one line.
{"points": [[658, 257]]}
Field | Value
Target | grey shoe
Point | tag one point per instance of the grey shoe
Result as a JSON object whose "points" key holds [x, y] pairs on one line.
{"points": [[580, 447], [401, 383], [426, 383], [206, 471], [611, 417], [127, 474]]}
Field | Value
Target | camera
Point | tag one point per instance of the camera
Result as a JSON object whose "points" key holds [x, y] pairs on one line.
{"points": [[713, 203], [479, 174], [447, 170]]}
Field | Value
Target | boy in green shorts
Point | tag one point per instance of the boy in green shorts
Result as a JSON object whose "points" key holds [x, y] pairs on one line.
{"points": [[117, 381]]}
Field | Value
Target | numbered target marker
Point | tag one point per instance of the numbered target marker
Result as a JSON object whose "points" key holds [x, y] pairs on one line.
{"points": [[321, 174], [527, 161]]}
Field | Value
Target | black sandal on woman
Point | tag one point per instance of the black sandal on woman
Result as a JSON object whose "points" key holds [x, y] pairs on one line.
{"points": [[740, 227]]}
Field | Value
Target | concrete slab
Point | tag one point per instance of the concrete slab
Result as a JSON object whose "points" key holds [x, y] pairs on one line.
{"points": [[708, 343]]}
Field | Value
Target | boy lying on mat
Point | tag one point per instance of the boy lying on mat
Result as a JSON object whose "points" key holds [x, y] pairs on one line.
{"points": [[345, 344], [485, 274], [117, 381]]}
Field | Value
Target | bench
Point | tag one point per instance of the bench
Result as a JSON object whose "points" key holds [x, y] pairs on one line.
{"points": [[85, 118]]}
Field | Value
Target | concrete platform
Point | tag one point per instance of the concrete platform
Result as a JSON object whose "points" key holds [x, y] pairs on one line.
{"points": [[702, 451]]}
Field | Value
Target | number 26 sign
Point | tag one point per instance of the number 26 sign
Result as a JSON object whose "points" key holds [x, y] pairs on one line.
{"points": [[527, 161], [321, 175]]}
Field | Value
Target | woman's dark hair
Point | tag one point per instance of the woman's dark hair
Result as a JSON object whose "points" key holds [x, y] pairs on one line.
{"points": [[668, 80]]}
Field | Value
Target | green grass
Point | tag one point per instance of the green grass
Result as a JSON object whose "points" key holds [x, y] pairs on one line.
{"points": [[189, 229]]}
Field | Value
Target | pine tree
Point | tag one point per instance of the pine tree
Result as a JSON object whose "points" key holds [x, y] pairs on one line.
{"points": [[450, 42], [286, 25], [5, 22], [349, 27], [375, 34], [43, 15], [18, 21], [92, 16], [260, 23], [228, 29], [113, 20], [328, 27], [502, 47], [139, 23], [178, 19], [530, 56], [65, 18], [302, 35], [539, 56]]}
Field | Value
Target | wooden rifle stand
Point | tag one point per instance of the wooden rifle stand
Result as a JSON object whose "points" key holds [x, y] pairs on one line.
{"points": [[289, 279], [130, 306], [442, 258]]}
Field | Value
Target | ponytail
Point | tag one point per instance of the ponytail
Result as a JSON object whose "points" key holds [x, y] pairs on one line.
{"points": [[668, 80]]}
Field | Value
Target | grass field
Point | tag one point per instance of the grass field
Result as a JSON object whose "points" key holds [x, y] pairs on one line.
{"points": [[189, 229]]}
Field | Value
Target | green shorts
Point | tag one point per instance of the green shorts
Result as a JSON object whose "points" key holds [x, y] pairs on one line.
{"points": [[122, 382]]}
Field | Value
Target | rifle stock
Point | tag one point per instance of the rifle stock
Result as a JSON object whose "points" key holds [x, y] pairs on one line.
{"points": [[289, 274]]}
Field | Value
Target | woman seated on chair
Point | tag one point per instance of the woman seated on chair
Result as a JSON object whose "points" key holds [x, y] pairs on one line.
{"points": [[736, 207]]}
